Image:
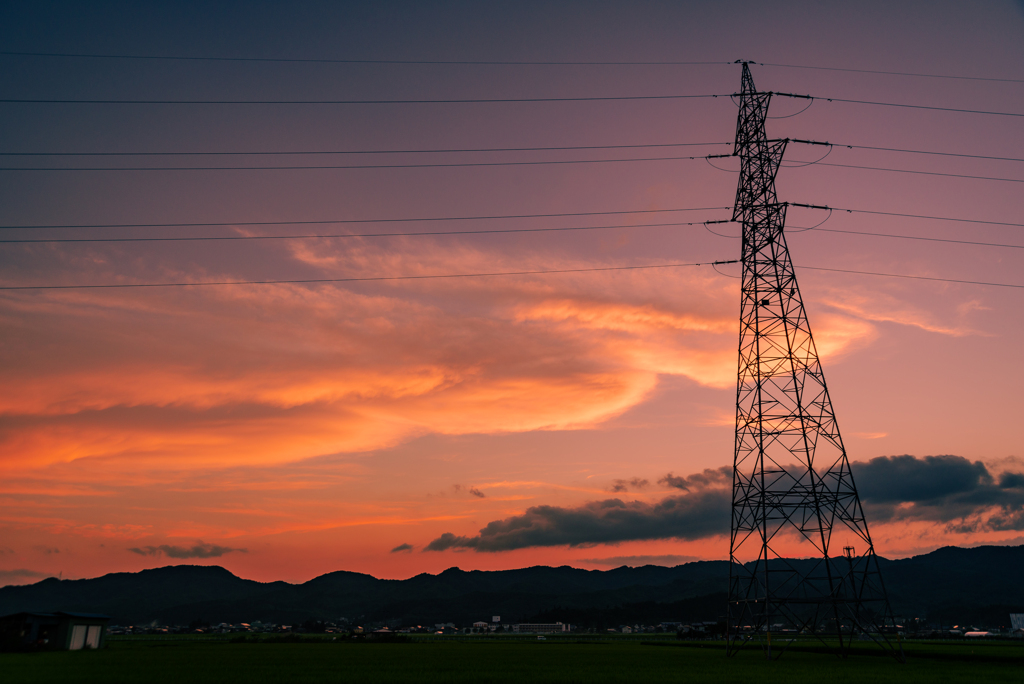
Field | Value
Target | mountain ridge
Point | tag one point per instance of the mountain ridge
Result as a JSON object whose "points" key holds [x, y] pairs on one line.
{"points": [[947, 581]]}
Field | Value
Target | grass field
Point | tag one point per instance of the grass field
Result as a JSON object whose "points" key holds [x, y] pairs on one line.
{"points": [[487, 660]]}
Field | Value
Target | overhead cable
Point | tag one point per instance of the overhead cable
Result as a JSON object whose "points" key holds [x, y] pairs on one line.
{"points": [[316, 60], [924, 173], [350, 235], [419, 151], [913, 277], [914, 237], [897, 104], [465, 62], [547, 162], [480, 100], [892, 73], [310, 281], [454, 150], [367, 220]]}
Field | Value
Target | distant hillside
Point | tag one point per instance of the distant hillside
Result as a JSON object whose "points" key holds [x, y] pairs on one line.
{"points": [[980, 584]]}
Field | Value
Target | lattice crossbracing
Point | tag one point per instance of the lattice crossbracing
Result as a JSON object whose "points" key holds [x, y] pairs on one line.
{"points": [[793, 492]]}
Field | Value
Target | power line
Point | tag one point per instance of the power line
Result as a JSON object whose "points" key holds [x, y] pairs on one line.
{"points": [[315, 60], [943, 154], [358, 61], [468, 150], [369, 220], [914, 277], [924, 173], [357, 280], [478, 100], [207, 238], [835, 230], [463, 165], [800, 165], [342, 167], [356, 102], [908, 237], [434, 151], [896, 104], [917, 216], [348, 235], [891, 73]]}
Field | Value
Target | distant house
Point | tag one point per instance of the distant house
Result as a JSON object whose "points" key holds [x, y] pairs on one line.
{"points": [[541, 628], [52, 631]]}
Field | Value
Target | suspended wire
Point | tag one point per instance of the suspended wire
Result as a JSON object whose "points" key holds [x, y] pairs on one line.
{"points": [[309, 281], [492, 217], [356, 61], [790, 230], [714, 232], [925, 173], [797, 165], [797, 229], [369, 220], [434, 151], [468, 150], [481, 100], [341, 167], [943, 154], [923, 216], [891, 73], [722, 273], [315, 60], [709, 157], [789, 116], [484, 101], [911, 237], [896, 104], [914, 277], [346, 235]]}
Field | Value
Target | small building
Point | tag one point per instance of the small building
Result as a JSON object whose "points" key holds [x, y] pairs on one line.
{"points": [[541, 628], [58, 631]]}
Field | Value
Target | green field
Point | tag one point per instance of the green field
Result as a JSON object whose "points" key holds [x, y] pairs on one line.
{"points": [[496, 660]]}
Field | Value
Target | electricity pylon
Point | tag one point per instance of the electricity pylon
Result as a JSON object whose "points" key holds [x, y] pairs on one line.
{"points": [[793, 495]]}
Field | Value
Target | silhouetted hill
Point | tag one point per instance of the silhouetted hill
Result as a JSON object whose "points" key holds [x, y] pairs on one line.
{"points": [[980, 584]]}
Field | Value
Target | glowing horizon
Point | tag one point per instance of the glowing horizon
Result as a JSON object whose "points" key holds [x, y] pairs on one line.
{"points": [[399, 427]]}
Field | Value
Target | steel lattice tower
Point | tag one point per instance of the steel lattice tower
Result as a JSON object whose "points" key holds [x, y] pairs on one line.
{"points": [[793, 493]]}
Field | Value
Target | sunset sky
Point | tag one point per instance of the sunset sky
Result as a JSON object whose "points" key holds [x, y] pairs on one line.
{"points": [[404, 426]]}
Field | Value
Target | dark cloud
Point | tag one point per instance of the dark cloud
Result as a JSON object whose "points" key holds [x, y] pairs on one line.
{"points": [[402, 547], [949, 489], [21, 576], [709, 478], [476, 492], [626, 485], [200, 550], [691, 516], [1011, 481], [953, 490], [637, 561], [906, 478]]}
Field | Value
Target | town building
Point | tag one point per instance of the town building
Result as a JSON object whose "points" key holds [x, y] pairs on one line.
{"points": [[541, 628], [53, 631]]}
